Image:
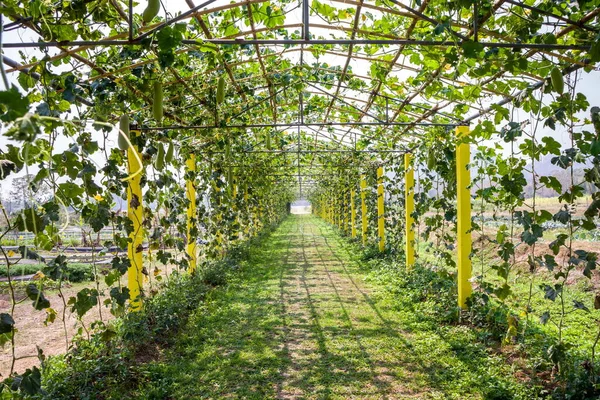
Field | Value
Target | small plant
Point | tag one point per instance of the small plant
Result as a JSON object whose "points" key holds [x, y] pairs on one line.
{"points": [[214, 273]]}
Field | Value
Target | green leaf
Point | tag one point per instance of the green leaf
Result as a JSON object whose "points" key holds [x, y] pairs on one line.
{"points": [[12, 104], [595, 147], [563, 216], [85, 300], [557, 243], [30, 254], [472, 49], [578, 305], [550, 145], [511, 132], [551, 182], [120, 296], [550, 292], [503, 292], [30, 220], [30, 382], [34, 293], [56, 268], [6, 323], [595, 49], [550, 262], [6, 167]]}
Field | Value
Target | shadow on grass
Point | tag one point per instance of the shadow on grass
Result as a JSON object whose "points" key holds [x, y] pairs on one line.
{"points": [[298, 324], [463, 366]]}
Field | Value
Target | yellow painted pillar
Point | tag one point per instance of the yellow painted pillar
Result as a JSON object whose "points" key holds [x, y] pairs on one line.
{"points": [[259, 214], [380, 210], [409, 208], [135, 278], [190, 191], [248, 219], [339, 212], [218, 217], [344, 206], [352, 214], [331, 209], [463, 209], [363, 208], [234, 194], [336, 211]]}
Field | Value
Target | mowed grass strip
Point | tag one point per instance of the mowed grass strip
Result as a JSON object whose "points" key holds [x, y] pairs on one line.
{"points": [[299, 321]]}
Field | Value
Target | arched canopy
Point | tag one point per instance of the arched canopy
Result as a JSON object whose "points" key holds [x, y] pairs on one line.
{"points": [[338, 75]]}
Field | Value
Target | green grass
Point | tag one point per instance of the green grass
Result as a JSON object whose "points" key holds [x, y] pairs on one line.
{"points": [[300, 320]]}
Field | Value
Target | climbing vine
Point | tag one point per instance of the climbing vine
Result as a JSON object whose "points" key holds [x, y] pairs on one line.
{"points": [[226, 108]]}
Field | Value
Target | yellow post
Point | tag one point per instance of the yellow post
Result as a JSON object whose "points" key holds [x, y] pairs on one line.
{"points": [[344, 214], [331, 210], [247, 227], [336, 211], [463, 208], [352, 214], [340, 213], [190, 191], [380, 210], [135, 278], [409, 208], [363, 208]]}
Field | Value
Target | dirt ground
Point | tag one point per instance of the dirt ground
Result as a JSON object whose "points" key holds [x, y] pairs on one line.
{"points": [[33, 333], [56, 337]]}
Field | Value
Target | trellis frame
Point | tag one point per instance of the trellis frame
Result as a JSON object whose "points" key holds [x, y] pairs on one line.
{"points": [[431, 114]]}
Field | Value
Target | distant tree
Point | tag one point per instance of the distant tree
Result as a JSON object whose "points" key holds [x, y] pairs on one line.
{"points": [[22, 195]]}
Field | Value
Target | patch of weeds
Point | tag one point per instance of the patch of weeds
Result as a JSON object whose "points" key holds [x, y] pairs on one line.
{"points": [[92, 369], [100, 367], [215, 273]]}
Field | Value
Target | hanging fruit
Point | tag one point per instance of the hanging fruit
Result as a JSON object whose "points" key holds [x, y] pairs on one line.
{"points": [[160, 157], [431, 161], [124, 132], [151, 10], [558, 83], [169, 155], [220, 90]]}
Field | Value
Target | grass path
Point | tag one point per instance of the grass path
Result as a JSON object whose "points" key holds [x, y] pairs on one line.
{"points": [[301, 322]]}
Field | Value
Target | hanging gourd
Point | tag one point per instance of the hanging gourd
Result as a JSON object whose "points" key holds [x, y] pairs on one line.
{"points": [[124, 132], [160, 157], [220, 90], [151, 10], [558, 83], [431, 161], [169, 155]]}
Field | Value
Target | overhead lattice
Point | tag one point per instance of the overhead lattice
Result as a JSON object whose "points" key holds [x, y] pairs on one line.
{"points": [[331, 74]]}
